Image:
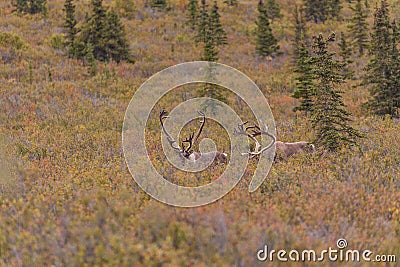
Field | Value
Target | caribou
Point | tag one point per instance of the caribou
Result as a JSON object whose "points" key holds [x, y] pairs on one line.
{"points": [[283, 150], [187, 152], [252, 132], [286, 150]]}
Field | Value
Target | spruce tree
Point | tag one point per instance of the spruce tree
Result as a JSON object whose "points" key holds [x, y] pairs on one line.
{"points": [[90, 61], [94, 30], [193, 13], [117, 47], [106, 34], [210, 52], [383, 68], [70, 26], [231, 2], [38, 6], [202, 23], [359, 28], [302, 58], [317, 10], [335, 7], [395, 62], [266, 43], [345, 53], [212, 35], [216, 30], [304, 81], [273, 9], [210, 32], [300, 36], [329, 117]]}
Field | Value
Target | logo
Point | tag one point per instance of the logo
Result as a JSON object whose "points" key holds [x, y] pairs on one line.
{"points": [[241, 133]]}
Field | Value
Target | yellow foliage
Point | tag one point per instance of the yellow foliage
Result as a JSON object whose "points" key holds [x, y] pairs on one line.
{"points": [[67, 198]]}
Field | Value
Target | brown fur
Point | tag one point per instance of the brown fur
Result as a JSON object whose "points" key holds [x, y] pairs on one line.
{"points": [[218, 156], [286, 150]]}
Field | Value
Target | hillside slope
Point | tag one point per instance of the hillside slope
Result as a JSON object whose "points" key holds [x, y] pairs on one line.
{"points": [[71, 201]]}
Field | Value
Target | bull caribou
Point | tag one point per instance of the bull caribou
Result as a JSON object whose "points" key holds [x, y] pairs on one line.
{"points": [[286, 150], [242, 129], [283, 150], [187, 152]]}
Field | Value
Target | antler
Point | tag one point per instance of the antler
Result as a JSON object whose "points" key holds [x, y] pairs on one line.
{"points": [[256, 131], [192, 139], [171, 141], [202, 121], [241, 130]]}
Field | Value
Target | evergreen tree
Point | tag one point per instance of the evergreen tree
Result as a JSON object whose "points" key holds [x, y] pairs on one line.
{"points": [[273, 9], [382, 71], [106, 34], [90, 61], [329, 117], [212, 91], [117, 47], [231, 2], [202, 26], [300, 36], [210, 52], [70, 26], [304, 81], [359, 28], [345, 53], [335, 7], [93, 31], [38, 6], [210, 32], [216, 30], [317, 10], [395, 62], [212, 35], [266, 43], [30, 6], [193, 13]]}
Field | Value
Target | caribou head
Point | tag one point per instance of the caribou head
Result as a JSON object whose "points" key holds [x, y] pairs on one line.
{"points": [[187, 151], [252, 131]]}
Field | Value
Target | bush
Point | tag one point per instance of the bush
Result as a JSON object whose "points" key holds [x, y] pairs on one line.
{"points": [[11, 40], [57, 41], [30, 6]]}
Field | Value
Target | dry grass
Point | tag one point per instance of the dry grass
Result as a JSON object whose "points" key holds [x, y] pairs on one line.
{"points": [[70, 201]]}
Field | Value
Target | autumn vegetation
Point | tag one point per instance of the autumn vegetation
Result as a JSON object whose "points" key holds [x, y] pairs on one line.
{"points": [[66, 195]]}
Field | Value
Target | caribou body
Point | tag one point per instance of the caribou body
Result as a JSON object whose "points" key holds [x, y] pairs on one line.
{"points": [[217, 156], [286, 150]]}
